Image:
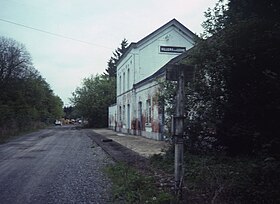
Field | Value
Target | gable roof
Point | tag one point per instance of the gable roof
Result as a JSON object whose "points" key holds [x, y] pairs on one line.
{"points": [[173, 22]]}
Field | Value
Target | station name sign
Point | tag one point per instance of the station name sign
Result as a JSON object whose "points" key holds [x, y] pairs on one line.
{"points": [[172, 49]]}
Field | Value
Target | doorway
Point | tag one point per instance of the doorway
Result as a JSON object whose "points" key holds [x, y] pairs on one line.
{"points": [[140, 117]]}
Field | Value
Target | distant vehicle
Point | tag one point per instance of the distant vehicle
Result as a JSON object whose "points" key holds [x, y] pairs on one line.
{"points": [[58, 122]]}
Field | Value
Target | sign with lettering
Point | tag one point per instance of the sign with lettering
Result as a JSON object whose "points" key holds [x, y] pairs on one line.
{"points": [[172, 49]]}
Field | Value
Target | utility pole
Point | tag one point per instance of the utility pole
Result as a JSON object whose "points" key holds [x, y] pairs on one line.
{"points": [[179, 73], [179, 132]]}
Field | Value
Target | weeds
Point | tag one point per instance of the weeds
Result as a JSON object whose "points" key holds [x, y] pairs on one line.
{"points": [[130, 186], [223, 179], [7, 133]]}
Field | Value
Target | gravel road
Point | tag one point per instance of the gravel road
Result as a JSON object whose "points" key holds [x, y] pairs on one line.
{"points": [[55, 165]]}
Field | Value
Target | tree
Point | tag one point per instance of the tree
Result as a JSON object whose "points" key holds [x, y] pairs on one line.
{"points": [[235, 95], [15, 61], [26, 99], [92, 99], [97, 93], [233, 103], [112, 63], [70, 112], [215, 19]]}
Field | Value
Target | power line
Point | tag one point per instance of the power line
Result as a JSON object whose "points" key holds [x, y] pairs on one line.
{"points": [[53, 34]]}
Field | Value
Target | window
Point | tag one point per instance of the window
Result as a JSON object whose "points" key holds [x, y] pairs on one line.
{"points": [[148, 111], [120, 84], [123, 114], [140, 115], [128, 116], [120, 114], [140, 111], [124, 82], [128, 79]]}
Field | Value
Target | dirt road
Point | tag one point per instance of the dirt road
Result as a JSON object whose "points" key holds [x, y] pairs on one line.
{"points": [[55, 165]]}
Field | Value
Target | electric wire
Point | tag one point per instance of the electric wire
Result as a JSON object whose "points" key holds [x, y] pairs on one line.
{"points": [[53, 34]]}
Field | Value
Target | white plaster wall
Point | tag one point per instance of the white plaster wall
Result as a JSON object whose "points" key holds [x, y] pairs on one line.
{"points": [[142, 61], [126, 67], [143, 93], [150, 57], [112, 112], [123, 101], [146, 59]]}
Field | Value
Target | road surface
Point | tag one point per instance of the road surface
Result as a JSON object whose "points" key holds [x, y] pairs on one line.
{"points": [[55, 165]]}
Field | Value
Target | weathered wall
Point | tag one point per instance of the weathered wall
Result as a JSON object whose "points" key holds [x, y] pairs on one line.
{"points": [[134, 92], [151, 58], [133, 110], [112, 116]]}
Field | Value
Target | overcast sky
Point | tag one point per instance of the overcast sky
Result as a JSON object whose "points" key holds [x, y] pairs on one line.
{"points": [[102, 23]]}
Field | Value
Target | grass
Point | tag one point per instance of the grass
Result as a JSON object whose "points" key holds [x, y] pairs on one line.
{"points": [[132, 186], [7, 133], [222, 179]]}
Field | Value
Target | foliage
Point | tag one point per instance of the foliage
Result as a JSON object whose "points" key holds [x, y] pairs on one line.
{"points": [[232, 106], [165, 162], [130, 186], [70, 112], [167, 99], [234, 100], [221, 179], [92, 99], [111, 70], [215, 19], [26, 99]]}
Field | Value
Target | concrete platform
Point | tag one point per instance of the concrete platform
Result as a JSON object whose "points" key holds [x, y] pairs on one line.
{"points": [[143, 146]]}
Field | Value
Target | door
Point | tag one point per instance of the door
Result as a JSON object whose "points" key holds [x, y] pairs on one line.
{"points": [[140, 117], [128, 117]]}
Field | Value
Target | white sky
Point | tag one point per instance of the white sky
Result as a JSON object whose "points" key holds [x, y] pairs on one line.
{"points": [[104, 23]]}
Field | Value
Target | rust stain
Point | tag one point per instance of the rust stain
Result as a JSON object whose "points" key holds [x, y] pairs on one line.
{"points": [[155, 127]]}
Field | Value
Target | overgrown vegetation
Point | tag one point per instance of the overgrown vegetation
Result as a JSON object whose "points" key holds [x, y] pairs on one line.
{"points": [[232, 134], [26, 100], [223, 179], [234, 99], [131, 186], [232, 104]]}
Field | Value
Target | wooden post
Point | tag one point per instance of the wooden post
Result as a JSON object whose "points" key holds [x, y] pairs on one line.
{"points": [[179, 73], [179, 132]]}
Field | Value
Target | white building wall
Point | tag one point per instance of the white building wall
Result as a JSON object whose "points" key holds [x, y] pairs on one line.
{"points": [[144, 59], [125, 77], [151, 58], [133, 119], [148, 128], [112, 118]]}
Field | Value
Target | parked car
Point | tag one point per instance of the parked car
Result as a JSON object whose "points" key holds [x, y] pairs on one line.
{"points": [[58, 122]]}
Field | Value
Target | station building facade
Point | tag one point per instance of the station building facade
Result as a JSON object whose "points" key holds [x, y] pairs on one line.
{"points": [[137, 110]]}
